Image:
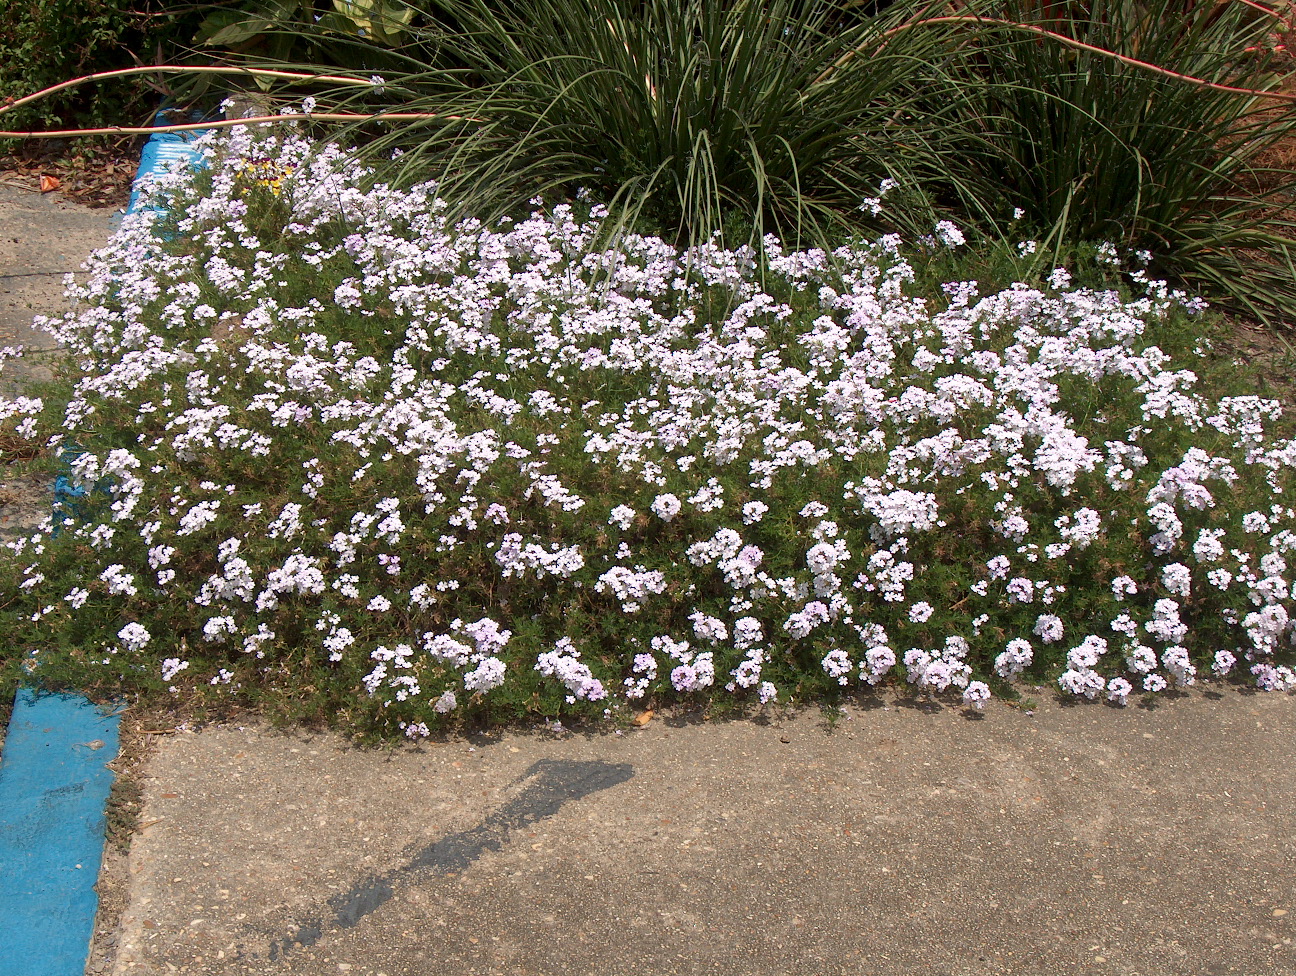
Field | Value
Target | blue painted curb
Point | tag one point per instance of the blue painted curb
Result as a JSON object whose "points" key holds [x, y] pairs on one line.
{"points": [[163, 149], [54, 785], [54, 778]]}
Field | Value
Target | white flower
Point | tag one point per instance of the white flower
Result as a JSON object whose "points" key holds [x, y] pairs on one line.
{"points": [[976, 694], [563, 663], [880, 660], [1123, 586], [1224, 661], [1255, 522], [949, 234], [488, 674], [823, 558], [1220, 578], [631, 586], [837, 664], [1016, 657], [1208, 547], [666, 507], [1086, 654], [133, 636], [1177, 579], [1140, 658], [1082, 682], [1165, 624], [217, 628], [747, 632], [709, 628], [1175, 660], [1020, 590], [1084, 531], [1118, 690], [1048, 628], [119, 581]]}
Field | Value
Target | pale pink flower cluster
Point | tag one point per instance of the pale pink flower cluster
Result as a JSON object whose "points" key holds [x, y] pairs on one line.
{"points": [[731, 493]]}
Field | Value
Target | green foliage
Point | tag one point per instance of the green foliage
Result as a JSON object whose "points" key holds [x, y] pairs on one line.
{"points": [[256, 25], [687, 117], [332, 33], [1091, 148], [43, 44]]}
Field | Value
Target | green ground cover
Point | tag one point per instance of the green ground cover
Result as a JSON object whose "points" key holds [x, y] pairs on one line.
{"points": [[720, 354]]}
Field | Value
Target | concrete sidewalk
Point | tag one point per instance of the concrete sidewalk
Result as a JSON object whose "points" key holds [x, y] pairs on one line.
{"points": [[42, 238], [906, 840]]}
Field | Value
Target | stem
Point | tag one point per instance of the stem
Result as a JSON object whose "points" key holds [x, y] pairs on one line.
{"points": [[226, 123], [181, 69], [1276, 15]]}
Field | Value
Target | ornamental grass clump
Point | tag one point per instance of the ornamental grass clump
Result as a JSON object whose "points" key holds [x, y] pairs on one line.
{"points": [[1150, 123], [684, 116], [352, 459]]}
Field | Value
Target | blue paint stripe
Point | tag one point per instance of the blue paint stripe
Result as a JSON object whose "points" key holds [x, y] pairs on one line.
{"points": [[54, 785], [53, 789]]}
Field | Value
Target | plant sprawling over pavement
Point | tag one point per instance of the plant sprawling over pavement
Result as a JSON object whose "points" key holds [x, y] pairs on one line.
{"points": [[335, 449]]}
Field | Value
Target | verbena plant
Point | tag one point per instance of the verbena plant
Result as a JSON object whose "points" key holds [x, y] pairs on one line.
{"points": [[352, 459]]}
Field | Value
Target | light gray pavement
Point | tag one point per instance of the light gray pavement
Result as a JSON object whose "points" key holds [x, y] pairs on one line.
{"points": [[906, 840], [42, 238], [1080, 839]]}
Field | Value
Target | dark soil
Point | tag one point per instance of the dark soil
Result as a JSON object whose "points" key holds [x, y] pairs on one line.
{"points": [[93, 174]]}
